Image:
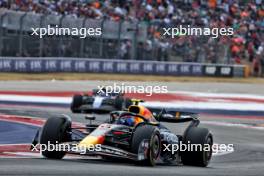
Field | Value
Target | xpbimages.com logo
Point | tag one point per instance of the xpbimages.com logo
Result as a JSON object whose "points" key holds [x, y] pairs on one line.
{"points": [[182, 147], [59, 31], [65, 147], [197, 31], [123, 88]]}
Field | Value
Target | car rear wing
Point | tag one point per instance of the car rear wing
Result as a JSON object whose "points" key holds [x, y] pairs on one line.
{"points": [[173, 116]]}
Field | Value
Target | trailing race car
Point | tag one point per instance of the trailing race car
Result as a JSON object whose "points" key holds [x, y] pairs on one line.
{"points": [[135, 134], [99, 102]]}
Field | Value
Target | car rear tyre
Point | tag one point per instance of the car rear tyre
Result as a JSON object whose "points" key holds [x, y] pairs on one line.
{"points": [[76, 103], [202, 156], [119, 103], [150, 133], [56, 130], [128, 102]]}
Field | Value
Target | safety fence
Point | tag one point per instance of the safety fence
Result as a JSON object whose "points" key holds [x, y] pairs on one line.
{"points": [[83, 65]]}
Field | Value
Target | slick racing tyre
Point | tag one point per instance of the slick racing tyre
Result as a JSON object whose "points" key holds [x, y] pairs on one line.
{"points": [[128, 102], [76, 103], [119, 103], [202, 156], [56, 130], [151, 134]]}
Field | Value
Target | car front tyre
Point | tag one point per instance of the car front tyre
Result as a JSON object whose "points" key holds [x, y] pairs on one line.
{"points": [[152, 134], [55, 131]]}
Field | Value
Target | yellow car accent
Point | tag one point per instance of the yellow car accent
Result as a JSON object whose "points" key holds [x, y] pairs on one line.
{"points": [[91, 140]]}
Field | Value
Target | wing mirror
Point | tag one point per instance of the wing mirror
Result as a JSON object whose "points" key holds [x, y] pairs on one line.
{"points": [[90, 117], [137, 101]]}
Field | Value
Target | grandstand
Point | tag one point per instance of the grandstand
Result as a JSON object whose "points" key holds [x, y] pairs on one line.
{"points": [[132, 30]]}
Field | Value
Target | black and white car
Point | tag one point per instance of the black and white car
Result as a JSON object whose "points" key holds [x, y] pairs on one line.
{"points": [[99, 102]]}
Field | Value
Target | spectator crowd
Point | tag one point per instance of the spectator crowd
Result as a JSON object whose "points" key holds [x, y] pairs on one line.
{"points": [[245, 17]]}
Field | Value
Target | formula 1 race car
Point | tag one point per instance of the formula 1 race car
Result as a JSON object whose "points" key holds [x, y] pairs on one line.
{"points": [[100, 101], [136, 135]]}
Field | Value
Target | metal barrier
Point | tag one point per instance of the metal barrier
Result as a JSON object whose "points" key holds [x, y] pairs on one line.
{"points": [[119, 40]]}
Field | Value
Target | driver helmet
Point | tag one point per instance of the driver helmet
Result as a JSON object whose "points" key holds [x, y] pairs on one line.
{"points": [[102, 92], [127, 120]]}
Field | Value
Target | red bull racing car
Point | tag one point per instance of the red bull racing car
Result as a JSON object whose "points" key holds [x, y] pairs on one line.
{"points": [[136, 134]]}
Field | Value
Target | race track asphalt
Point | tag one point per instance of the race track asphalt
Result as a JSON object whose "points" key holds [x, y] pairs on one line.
{"points": [[247, 158]]}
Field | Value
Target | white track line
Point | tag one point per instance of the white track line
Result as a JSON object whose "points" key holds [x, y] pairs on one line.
{"points": [[35, 99], [227, 124], [209, 105], [219, 95]]}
